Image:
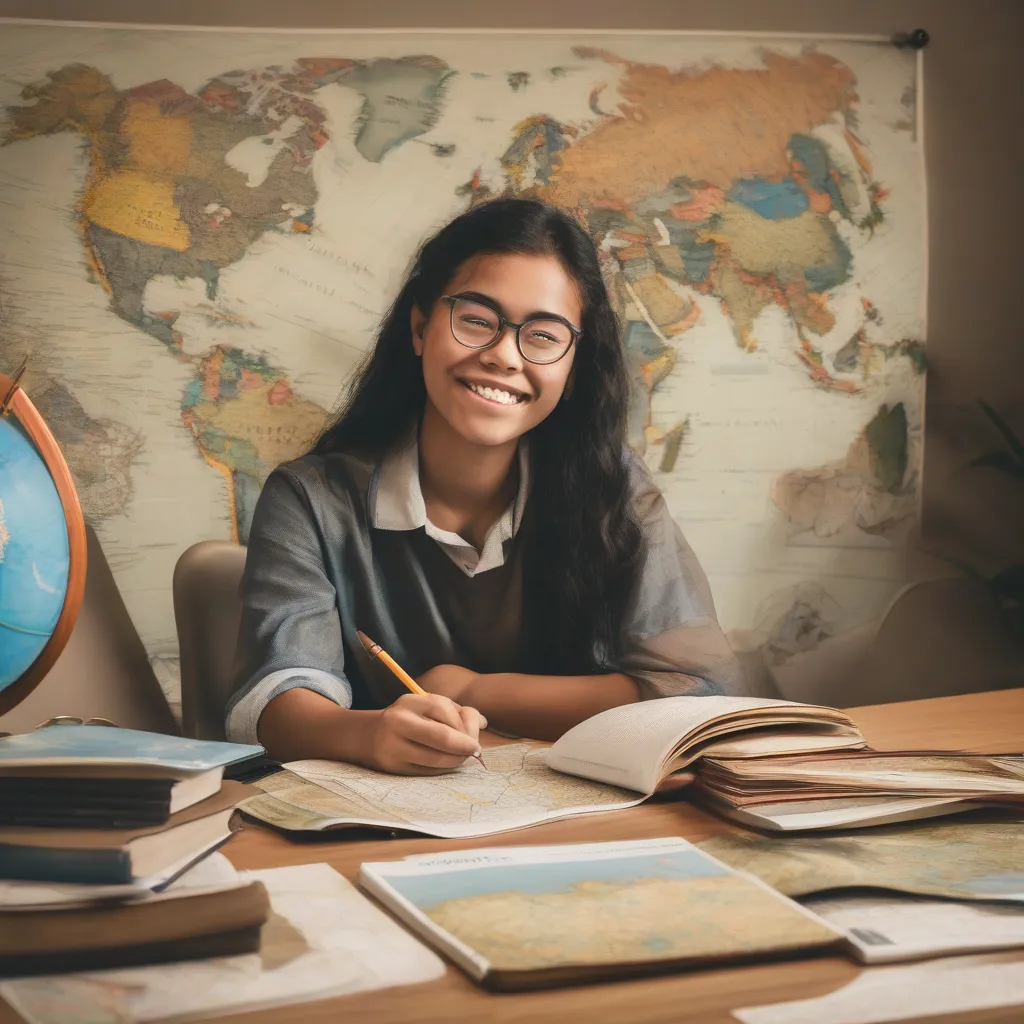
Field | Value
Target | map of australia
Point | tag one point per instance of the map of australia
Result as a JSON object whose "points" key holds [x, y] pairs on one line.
{"points": [[202, 233]]}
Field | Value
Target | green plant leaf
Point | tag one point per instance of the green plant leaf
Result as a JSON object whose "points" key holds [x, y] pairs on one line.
{"points": [[1009, 582], [1014, 442], [1001, 460]]}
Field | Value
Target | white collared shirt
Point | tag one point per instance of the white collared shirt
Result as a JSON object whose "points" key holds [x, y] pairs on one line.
{"points": [[399, 505]]}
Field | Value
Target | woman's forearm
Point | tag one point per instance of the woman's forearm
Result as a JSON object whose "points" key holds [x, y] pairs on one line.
{"points": [[544, 707], [300, 725]]}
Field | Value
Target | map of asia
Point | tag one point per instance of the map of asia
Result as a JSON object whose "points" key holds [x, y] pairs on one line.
{"points": [[201, 231]]}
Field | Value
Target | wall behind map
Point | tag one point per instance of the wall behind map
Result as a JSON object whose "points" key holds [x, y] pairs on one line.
{"points": [[973, 106]]}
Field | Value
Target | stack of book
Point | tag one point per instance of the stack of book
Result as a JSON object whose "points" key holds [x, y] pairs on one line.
{"points": [[843, 789], [107, 850]]}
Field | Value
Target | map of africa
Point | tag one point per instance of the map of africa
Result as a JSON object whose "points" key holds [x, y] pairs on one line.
{"points": [[202, 231], [514, 790]]}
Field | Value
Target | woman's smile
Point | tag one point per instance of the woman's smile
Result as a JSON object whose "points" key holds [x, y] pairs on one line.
{"points": [[494, 393]]}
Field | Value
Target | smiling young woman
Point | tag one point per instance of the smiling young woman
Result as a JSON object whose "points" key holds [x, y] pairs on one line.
{"points": [[475, 511]]}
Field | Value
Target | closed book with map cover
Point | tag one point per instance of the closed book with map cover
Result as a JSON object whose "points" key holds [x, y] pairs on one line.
{"points": [[536, 917]]}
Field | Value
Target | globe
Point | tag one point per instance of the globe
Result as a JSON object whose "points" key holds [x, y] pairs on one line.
{"points": [[42, 547]]}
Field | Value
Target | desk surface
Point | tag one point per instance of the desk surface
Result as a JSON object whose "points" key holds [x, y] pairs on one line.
{"points": [[991, 722]]}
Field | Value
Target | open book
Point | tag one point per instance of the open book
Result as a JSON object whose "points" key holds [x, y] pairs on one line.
{"points": [[638, 746], [614, 760]]}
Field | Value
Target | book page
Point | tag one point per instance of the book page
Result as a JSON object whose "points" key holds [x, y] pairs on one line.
{"points": [[947, 774], [628, 745], [323, 939], [776, 743], [884, 928], [515, 790]]}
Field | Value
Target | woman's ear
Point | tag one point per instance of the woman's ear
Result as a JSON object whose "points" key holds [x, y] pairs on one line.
{"points": [[417, 324]]}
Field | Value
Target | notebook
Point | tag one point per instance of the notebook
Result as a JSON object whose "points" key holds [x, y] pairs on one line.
{"points": [[534, 917]]}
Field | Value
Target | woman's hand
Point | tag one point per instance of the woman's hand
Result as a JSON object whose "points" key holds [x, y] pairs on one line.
{"points": [[450, 681], [423, 735]]}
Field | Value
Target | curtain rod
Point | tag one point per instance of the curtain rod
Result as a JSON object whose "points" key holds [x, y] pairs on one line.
{"points": [[914, 40]]}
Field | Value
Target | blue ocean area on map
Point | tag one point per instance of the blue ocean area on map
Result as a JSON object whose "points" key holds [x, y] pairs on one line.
{"points": [[427, 891]]}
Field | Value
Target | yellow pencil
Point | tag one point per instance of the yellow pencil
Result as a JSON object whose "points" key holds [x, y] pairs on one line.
{"points": [[376, 651]]}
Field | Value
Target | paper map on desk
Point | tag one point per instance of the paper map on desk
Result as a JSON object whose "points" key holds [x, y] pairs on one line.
{"points": [[978, 859], [323, 939], [515, 790]]}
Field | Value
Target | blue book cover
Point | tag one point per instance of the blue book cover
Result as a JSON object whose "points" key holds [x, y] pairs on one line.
{"points": [[104, 744]]}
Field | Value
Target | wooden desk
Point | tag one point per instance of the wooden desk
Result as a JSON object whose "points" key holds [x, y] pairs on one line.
{"points": [[992, 722]]}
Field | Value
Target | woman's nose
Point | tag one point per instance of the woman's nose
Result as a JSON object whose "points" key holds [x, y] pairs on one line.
{"points": [[504, 352]]}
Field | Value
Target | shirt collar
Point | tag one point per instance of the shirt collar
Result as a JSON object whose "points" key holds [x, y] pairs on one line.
{"points": [[398, 503]]}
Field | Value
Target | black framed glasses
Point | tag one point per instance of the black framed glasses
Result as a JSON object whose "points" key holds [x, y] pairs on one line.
{"points": [[477, 325]]}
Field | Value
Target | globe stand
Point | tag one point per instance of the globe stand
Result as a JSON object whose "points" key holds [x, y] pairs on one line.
{"points": [[15, 405]]}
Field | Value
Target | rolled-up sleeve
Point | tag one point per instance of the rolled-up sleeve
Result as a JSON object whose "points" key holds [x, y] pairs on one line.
{"points": [[672, 643], [290, 634]]}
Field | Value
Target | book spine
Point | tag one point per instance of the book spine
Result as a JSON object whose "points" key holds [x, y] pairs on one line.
{"points": [[46, 864]]}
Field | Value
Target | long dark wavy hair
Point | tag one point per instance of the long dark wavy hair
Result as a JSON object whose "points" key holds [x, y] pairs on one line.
{"points": [[582, 539]]}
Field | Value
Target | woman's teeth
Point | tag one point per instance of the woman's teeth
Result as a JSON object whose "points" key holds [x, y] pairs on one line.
{"points": [[502, 397]]}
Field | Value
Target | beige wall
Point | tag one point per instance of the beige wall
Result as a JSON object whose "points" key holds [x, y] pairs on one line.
{"points": [[974, 104]]}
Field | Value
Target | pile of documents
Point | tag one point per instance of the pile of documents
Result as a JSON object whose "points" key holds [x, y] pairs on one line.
{"points": [[106, 838], [840, 789]]}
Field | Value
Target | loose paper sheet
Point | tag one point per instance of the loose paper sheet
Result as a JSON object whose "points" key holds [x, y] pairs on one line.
{"points": [[324, 939], [887, 928], [907, 992]]}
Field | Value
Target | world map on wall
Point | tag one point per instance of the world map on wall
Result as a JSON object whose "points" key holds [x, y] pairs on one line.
{"points": [[194, 260]]}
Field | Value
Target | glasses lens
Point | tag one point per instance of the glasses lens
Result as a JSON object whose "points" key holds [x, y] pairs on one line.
{"points": [[473, 324], [544, 341]]}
